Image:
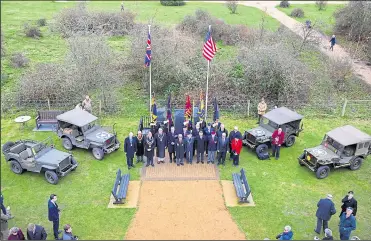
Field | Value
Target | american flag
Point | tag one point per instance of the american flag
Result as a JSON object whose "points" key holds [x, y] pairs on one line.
{"points": [[209, 47], [147, 58]]}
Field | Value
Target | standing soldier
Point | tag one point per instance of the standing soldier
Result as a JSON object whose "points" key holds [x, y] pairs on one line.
{"points": [[149, 146], [212, 146], [349, 201], [236, 149], [207, 133], [130, 147], [262, 107], [231, 137], [223, 144], [171, 139], [179, 150], [161, 144], [200, 147], [189, 147], [221, 131], [140, 147]]}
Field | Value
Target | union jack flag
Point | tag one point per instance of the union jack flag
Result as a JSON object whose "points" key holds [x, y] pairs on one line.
{"points": [[147, 58], [209, 47]]}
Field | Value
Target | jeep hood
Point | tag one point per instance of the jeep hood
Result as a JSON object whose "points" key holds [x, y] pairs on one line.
{"points": [[321, 152], [53, 157], [260, 132], [99, 135]]}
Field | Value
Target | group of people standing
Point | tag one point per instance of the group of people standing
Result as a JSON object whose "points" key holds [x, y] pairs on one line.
{"points": [[212, 140]]}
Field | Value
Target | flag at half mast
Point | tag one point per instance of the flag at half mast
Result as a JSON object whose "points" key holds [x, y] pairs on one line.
{"points": [[209, 47], [148, 56]]}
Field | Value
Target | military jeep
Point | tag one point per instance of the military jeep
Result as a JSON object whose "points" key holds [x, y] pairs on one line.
{"points": [[342, 147], [34, 156], [78, 128], [260, 137]]}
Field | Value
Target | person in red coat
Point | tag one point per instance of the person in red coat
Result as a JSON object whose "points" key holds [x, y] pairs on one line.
{"points": [[278, 137], [236, 146]]}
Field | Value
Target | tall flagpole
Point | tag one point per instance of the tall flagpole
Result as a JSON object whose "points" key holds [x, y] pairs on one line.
{"points": [[207, 83], [150, 77]]}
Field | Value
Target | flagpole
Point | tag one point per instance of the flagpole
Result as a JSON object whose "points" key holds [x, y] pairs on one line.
{"points": [[207, 84], [150, 79]]}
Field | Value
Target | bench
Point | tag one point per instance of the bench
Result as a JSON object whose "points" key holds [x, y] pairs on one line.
{"points": [[242, 186], [47, 117], [120, 187]]}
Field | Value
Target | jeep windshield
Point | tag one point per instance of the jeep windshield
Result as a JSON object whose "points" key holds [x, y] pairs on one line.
{"points": [[268, 124], [89, 126], [333, 145]]}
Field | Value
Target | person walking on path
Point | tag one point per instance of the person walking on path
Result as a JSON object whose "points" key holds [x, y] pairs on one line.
{"points": [[262, 107], [349, 201], [122, 6], [149, 147], [236, 149], [161, 144], [326, 209], [130, 147], [278, 138], [347, 224], [54, 212], [140, 147], [332, 42], [179, 150]]}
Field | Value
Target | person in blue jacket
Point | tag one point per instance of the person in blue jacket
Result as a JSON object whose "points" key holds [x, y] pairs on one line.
{"points": [[326, 209], [333, 42], [287, 234], [347, 224]]}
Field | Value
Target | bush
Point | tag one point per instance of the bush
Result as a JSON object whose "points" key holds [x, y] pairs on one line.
{"points": [[321, 5], [41, 22], [284, 4], [2, 44], [340, 71], [232, 6], [19, 60], [32, 31], [172, 2], [297, 12], [368, 50], [78, 21]]}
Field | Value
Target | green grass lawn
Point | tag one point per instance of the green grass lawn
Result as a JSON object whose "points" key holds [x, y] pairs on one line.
{"points": [[312, 13]]}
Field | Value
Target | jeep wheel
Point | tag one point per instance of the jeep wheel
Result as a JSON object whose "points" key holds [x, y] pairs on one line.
{"points": [[6, 146], [356, 163], [73, 162], [322, 172], [51, 177], [67, 144], [301, 157], [98, 153], [290, 141], [16, 167]]}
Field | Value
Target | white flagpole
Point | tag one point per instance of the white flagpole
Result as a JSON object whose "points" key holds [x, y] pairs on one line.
{"points": [[150, 77], [207, 84]]}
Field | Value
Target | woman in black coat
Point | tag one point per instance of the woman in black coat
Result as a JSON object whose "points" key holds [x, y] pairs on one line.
{"points": [[149, 146], [140, 147]]}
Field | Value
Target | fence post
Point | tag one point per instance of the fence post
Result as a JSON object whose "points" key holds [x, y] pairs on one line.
{"points": [[344, 107], [248, 108], [48, 103], [100, 107]]}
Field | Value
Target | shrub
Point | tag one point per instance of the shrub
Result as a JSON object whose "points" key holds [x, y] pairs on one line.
{"points": [[79, 21], [340, 71], [368, 50], [19, 60], [297, 12], [32, 31], [2, 44], [172, 2], [321, 5], [284, 4], [41, 22], [232, 6]]}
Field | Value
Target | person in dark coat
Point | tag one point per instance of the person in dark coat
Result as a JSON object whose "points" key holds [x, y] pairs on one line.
{"points": [[232, 135], [195, 134], [349, 201], [161, 144], [278, 137], [185, 131], [216, 125], [54, 212], [130, 147], [179, 150], [189, 147], [16, 234], [67, 234], [149, 147], [171, 139], [140, 147], [332, 42], [347, 224], [326, 209], [222, 148], [212, 147], [222, 130], [200, 147], [207, 134], [36, 232]]}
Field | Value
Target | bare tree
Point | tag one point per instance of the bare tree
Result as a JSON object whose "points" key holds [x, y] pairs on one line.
{"points": [[321, 5]]}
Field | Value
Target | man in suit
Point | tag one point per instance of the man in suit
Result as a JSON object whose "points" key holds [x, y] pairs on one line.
{"points": [[200, 147], [212, 147], [54, 212], [171, 139], [222, 149], [349, 201], [207, 134], [130, 147], [161, 144], [195, 134], [36, 232], [326, 209], [179, 150], [221, 131], [149, 146], [189, 147]]}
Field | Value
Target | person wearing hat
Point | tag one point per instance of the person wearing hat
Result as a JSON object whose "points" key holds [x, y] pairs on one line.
{"points": [[179, 150], [347, 224], [236, 147], [161, 144], [207, 134], [326, 209], [149, 146], [171, 139], [189, 147], [231, 137], [349, 201], [212, 147], [201, 143], [130, 147]]}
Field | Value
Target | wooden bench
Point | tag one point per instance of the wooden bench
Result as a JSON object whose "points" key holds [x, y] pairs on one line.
{"points": [[242, 186], [120, 187], [47, 117]]}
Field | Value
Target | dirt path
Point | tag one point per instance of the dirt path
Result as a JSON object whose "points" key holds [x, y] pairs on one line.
{"points": [[182, 210]]}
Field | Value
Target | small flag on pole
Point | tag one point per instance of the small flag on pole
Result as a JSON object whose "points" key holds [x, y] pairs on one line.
{"points": [[147, 58], [154, 109], [216, 109], [209, 47]]}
